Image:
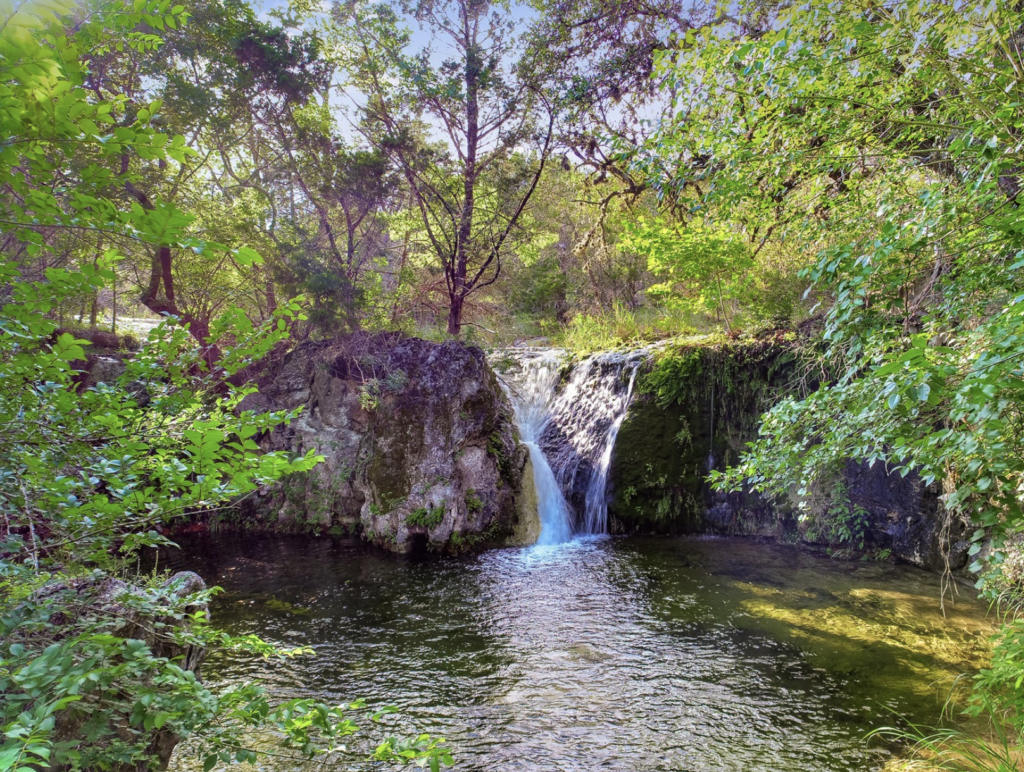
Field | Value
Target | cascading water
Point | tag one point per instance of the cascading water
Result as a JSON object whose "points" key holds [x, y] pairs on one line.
{"points": [[595, 512], [574, 431], [531, 392]]}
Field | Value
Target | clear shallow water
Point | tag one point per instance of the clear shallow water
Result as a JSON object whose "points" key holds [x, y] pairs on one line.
{"points": [[604, 654]]}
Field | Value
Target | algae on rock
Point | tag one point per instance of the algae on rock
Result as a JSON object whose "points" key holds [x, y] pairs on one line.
{"points": [[698, 406]]}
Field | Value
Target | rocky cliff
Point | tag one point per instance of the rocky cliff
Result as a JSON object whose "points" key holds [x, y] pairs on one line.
{"points": [[419, 445], [694, 409]]}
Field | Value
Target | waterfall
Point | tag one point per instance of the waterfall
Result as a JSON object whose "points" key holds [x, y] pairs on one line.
{"points": [[531, 391], [571, 433], [595, 511]]}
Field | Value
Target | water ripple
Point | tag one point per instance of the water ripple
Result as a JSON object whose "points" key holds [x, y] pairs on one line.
{"points": [[603, 654]]}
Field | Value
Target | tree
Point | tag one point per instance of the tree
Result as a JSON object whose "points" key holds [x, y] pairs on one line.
{"points": [[470, 134], [233, 83], [599, 59], [256, 95], [699, 258], [89, 472], [885, 140]]}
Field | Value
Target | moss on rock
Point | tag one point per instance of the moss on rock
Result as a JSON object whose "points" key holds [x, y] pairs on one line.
{"points": [[418, 438], [696, 407]]}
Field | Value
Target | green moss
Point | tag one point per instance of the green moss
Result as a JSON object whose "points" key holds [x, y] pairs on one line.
{"points": [[284, 606], [496, 447], [653, 479], [467, 542], [398, 438], [698, 404], [387, 506], [311, 499], [473, 502]]}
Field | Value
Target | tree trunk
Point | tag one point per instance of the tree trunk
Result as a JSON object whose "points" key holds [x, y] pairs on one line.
{"points": [[455, 314], [271, 298], [94, 307], [113, 305], [458, 289], [161, 303], [398, 274]]}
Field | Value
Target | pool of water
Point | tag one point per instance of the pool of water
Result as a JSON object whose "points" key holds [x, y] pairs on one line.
{"points": [[603, 654]]}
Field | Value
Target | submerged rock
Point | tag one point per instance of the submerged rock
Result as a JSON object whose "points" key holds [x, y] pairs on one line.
{"points": [[418, 439]]}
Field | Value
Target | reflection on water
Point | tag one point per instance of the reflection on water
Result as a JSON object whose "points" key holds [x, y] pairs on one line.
{"points": [[611, 654]]}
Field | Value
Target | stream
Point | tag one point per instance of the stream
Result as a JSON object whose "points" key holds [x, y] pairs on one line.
{"points": [[585, 652], [681, 654]]}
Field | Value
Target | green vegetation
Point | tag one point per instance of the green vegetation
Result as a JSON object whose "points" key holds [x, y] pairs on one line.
{"points": [[917, 251], [424, 517], [825, 194], [473, 502], [840, 522], [92, 672]]}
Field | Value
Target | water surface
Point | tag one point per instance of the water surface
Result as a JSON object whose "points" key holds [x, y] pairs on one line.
{"points": [[683, 655]]}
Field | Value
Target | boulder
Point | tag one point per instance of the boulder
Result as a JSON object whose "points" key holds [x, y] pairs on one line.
{"points": [[418, 439], [88, 599]]}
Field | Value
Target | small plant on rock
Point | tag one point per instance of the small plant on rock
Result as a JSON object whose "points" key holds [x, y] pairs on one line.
{"points": [[473, 502], [425, 518]]}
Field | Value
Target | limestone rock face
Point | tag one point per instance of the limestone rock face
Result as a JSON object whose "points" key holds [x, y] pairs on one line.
{"points": [[667, 447], [905, 515], [418, 439], [528, 519]]}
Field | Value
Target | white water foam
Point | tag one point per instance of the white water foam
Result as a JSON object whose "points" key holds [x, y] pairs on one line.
{"points": [[595, 511]]}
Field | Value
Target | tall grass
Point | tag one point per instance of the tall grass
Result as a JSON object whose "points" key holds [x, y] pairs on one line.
{"points": [[621, 326], [955, 750], [615, 327]]}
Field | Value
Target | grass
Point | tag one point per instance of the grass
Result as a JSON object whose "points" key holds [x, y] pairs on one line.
{"points": [[585, 333], [954, 750], [624, 327]]}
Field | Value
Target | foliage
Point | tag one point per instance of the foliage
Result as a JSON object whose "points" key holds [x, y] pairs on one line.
{"points": [[425, 518], [473, 501], [884, 139], [840, 522], [925, 327], [91, 471], [88, 694], [954, 750], [471, 179], [701, 259], [619, 327], [1000, 687]]}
